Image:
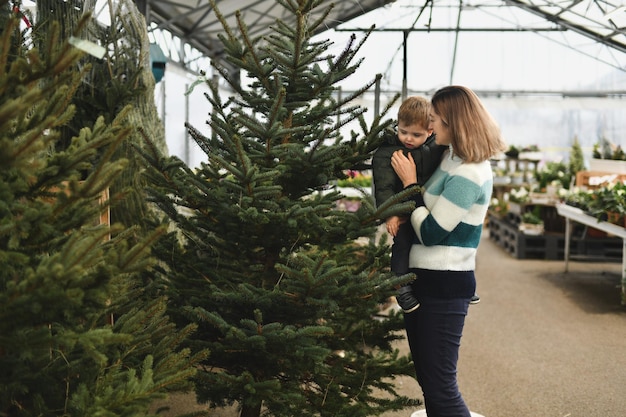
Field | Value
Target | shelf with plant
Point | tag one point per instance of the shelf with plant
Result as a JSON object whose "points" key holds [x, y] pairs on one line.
{"points": [[555, 174], [501, 176], [532, 217], [608, 203], [518, 177], [579, 197], [499, 207], [605, 149], [519, 195], [518, 198], [608, 157]]}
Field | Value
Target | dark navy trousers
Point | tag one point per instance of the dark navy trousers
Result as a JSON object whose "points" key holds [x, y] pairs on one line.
{"points": [[434, 333]]}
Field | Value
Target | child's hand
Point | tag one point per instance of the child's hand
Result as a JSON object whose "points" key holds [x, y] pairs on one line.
{"points": [[393, 223]]}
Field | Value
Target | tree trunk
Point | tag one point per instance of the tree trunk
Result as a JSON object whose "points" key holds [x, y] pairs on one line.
{"points": [[251, 410]]}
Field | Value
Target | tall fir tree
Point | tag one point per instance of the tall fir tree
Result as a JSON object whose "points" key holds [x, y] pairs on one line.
{"points": [[121, 78], [285, 287], [576, 158], [76, 336]]}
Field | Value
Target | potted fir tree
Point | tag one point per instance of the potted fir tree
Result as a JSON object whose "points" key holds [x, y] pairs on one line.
{"points": [[282, 284]]}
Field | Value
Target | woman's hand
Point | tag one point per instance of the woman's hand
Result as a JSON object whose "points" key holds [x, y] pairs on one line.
{"points": [[404, 167]]}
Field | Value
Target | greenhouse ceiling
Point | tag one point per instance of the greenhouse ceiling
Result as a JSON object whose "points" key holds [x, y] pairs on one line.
{"points": [[195, 24], [602, 23]]}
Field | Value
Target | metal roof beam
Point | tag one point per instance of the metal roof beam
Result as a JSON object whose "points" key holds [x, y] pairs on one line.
{"points": [[568, 25]]}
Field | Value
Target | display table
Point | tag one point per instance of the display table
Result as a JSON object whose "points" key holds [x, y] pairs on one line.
{"points": [[572, 213]]}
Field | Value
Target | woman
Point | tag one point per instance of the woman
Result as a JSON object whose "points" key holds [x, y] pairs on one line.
{"points": [[448, 221]]}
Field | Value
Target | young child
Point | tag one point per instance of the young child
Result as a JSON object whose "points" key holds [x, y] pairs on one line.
{"points": [[414, 136]]}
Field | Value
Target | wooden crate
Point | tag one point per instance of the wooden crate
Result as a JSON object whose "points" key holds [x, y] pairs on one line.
{"points": [[105, 214], [103, 202], [551, 246], [596, 179]]}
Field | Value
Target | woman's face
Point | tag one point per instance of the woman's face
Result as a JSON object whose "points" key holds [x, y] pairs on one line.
{"points": [[440, 129]]}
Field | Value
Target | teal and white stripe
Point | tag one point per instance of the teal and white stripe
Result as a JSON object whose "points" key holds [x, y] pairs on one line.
{"points": [[449, 227]]}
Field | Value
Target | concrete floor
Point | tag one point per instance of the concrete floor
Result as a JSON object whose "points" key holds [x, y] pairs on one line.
{"points": [[541, 343]]}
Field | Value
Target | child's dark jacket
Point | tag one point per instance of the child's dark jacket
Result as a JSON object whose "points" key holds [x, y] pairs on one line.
{"points": [[386, 183]]}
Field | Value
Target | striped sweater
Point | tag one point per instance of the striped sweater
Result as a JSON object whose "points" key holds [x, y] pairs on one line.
{"points": [[449, 224]]}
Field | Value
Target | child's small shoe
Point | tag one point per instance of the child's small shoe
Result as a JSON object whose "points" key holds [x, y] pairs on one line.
{"points": [[406, 300], [475, 299]]}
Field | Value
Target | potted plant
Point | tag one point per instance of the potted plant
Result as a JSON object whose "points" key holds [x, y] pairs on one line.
{"points": [[517, 177], [518, 198], [530, 153], [501, 176], [498, 207], [532, 223], [608, 157], [512, 152], [608, 203], [553, 173], [579, 198]]}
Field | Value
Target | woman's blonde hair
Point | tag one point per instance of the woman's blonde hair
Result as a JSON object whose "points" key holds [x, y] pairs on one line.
{"points": [[475, 136]]}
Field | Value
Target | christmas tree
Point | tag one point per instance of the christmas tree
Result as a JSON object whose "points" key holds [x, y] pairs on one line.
{"points": [[122, 77], [576, 158], [286, 288], [77, 337]]}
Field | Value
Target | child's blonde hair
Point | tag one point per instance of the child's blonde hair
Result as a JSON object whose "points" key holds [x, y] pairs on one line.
{"points": [[414, 110], [475, 136]]}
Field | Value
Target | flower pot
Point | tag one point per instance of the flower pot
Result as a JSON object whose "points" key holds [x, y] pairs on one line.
{"points": [[615, 218], [607, 165], [593, 232], [531, 229], [517, 179]]}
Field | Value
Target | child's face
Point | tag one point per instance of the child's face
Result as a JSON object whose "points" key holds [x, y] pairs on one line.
{"points": [[413, 136]]}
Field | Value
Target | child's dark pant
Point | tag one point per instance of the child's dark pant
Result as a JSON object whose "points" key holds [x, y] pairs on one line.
{"points": [[401, 247]]}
